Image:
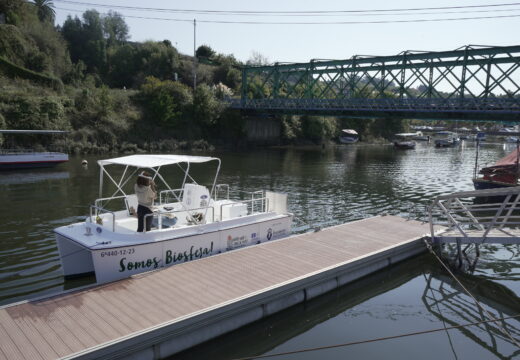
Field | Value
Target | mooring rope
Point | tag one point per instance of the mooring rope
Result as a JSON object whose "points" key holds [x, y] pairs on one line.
{"points": [[492, 319], [489, 314], [376, 339], [442, 317]]}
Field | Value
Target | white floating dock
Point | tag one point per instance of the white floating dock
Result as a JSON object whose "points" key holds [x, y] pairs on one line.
{"points": [[157, 314]]}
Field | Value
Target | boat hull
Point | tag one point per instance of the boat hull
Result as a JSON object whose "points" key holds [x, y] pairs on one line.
{"points": [[110, 263], [481, 184], [405, 145], [347, 140], [31, 160]]}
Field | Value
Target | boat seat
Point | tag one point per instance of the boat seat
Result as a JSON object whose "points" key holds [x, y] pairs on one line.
{"points": [[131, 204]]}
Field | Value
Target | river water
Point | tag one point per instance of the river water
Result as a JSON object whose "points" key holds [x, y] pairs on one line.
{"points": [[325, 187]]}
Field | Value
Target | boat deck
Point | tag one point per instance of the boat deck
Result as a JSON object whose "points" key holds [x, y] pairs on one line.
{"points": [[156, 314]]}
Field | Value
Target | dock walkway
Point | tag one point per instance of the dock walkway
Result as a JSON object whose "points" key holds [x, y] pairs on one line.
{"points": [[154, 315]]}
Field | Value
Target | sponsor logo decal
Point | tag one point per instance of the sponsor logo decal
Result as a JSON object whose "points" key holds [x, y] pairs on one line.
{"points": [[236, 242]]}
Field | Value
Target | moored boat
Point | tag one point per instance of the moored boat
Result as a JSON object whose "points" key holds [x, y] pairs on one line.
{"points": [[404, 141], [20, 159], [348, 136], [504, 173], [448, 140], [190, 221], [419, 136], [28, 158]]}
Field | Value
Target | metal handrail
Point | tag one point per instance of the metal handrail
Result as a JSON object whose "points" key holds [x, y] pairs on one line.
{"points": [[162, 213], [106, 211], [96, 203], [485, 217], [263, 202], [169, 191], [217, 189]]}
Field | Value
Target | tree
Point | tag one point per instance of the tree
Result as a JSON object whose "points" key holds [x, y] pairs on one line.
{"points": [[204, 51], [86, 40], [257, 59], [123, 66], [227, 72], [166, 101], [11, 9], [115, 28], [206, 107], [157, 59], [45, 10]]}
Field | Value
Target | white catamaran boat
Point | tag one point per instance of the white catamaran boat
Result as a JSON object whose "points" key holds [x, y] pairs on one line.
{"points": [[190, 222]]}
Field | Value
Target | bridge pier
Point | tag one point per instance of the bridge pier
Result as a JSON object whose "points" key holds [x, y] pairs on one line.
{"points": [[263, 130]]}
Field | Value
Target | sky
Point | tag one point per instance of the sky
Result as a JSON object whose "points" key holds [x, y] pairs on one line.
{"points": [[301, 43]]}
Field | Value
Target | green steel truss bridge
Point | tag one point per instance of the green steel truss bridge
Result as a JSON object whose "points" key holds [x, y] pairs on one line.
{"points": [[472, 82]]}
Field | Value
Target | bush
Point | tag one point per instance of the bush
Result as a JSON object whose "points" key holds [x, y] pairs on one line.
{"points": [[206, 107], [14, 71], [2, 126], [318, 128], [291, 127], [166, 101]]}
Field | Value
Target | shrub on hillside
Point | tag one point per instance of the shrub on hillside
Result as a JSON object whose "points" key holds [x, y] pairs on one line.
{"points": [[2, 126], [166, 101]]}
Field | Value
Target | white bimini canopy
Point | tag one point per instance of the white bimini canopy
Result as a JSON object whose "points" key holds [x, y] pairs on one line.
{"points": [[152, 161]]}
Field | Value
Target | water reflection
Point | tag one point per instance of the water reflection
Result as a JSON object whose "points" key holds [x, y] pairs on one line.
{"points": [[29, 177], [376, 307], [450, 303]]}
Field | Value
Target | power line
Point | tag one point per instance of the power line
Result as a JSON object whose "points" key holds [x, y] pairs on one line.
{"points": [[309, 12], [310, 22], [363, 14]]}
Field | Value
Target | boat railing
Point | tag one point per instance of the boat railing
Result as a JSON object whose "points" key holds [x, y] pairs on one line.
{"points": [[191, 215], [218, 189], [474, 217], [177, 195], [253, 194], [261, 204], [96, 210], [98, 203], [225, 187]]}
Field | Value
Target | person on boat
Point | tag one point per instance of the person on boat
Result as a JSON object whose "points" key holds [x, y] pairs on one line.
{"points": [[146, 193]]}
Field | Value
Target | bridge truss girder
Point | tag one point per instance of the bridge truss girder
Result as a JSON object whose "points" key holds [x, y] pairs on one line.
{"points": [[480, 82]]}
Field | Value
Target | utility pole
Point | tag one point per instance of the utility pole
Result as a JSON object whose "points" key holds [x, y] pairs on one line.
{"points": [[194, 54]]}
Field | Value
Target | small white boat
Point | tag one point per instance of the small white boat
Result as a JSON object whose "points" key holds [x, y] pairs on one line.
{"points": [[190, 222], [28, 158], [404, 141], [419, 136], [348, 136], [450, 139], [19, 159]]}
